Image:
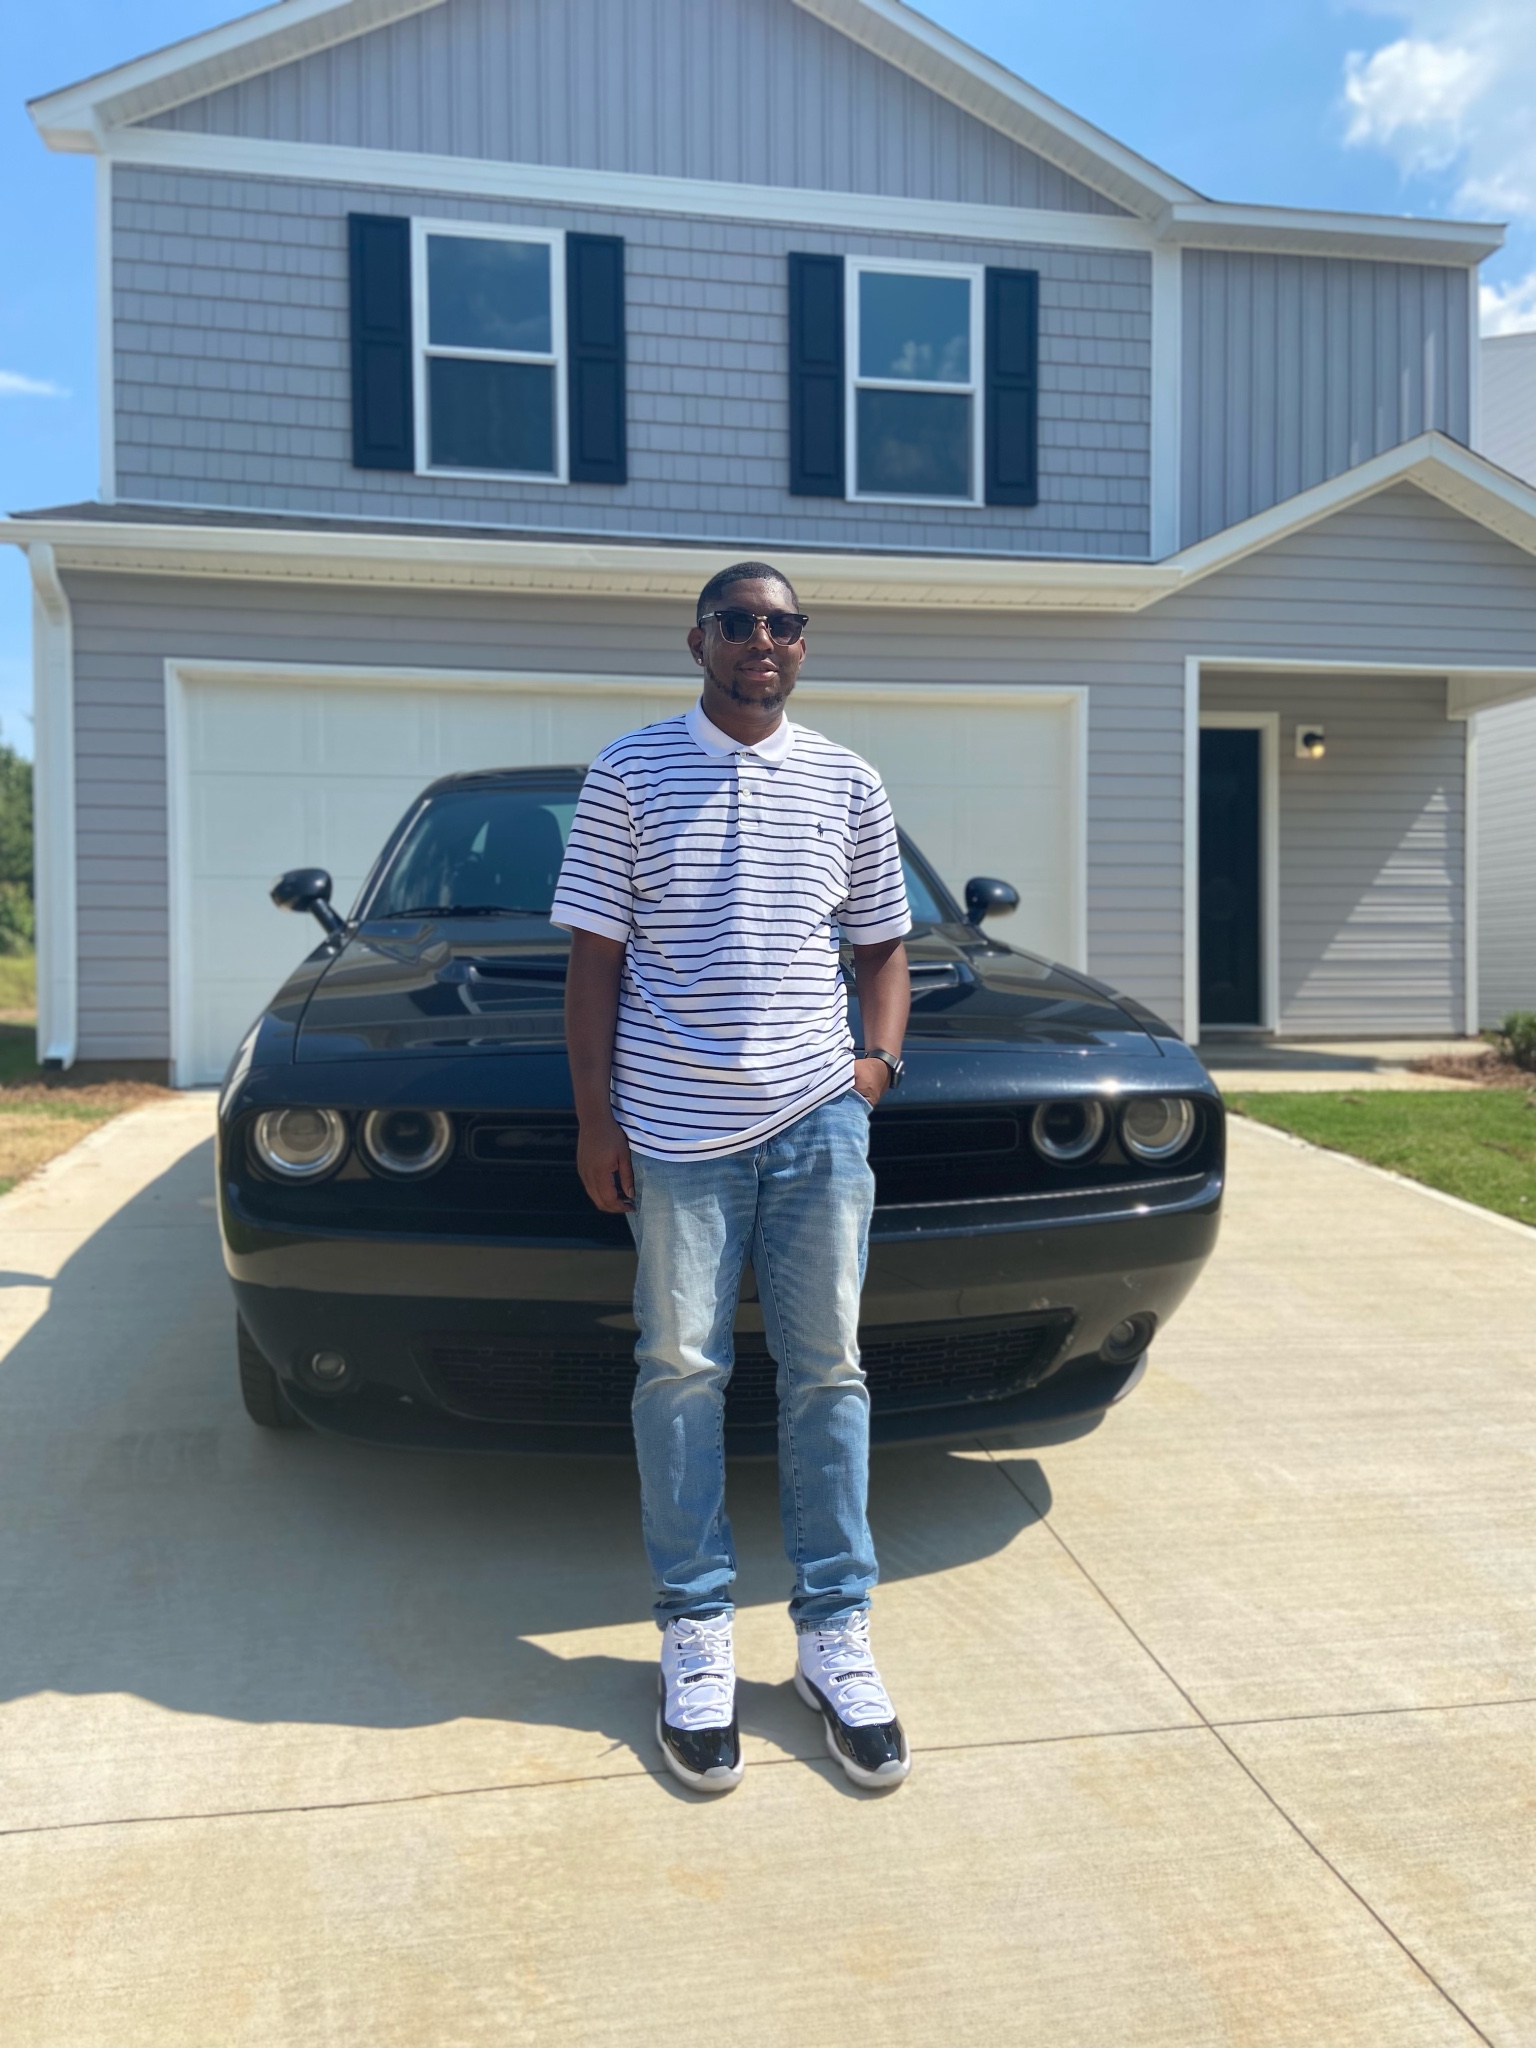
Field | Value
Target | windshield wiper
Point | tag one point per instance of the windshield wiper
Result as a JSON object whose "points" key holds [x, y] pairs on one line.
{"points": [[464, 910]]}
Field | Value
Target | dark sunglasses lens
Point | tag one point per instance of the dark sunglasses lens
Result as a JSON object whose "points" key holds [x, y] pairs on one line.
{"points": [[784, 627], [736, 626]]}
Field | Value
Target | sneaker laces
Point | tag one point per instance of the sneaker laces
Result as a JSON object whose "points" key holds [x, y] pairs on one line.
{"points": [[845, 1667], [701, 1672]]}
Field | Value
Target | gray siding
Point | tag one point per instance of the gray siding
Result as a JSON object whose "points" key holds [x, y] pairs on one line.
{"points": [[1371, 851], [750, 91], [232, 378], [1297, 368], [1397, 579], [1507, 425], [1506, 860]]}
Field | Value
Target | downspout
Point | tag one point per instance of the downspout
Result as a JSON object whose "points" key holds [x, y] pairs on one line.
{"points": [[53, 710]]}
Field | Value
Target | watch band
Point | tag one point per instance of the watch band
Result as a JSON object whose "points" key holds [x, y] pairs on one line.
{"points": [[892, 1060]]}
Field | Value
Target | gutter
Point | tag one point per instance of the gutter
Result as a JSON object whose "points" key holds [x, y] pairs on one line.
{"points": [[53, 692]]}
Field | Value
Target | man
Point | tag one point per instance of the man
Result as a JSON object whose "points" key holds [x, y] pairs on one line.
{"points": [[722, 1107]]}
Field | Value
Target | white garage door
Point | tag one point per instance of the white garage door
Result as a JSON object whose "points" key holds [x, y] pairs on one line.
{"points": [[274, 772]]}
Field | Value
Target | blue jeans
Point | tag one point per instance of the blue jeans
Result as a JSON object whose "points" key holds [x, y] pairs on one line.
{"points": [[800, 1204]]}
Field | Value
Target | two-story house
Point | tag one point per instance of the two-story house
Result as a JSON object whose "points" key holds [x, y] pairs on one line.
{"points": [[448, 345]]}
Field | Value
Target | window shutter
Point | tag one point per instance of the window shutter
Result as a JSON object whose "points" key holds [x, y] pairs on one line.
{"points": [[1013, 387], [383, 426], [816, 376], [594, 319]]}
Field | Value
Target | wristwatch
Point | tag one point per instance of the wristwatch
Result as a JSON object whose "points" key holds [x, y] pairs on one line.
{"points": [[894, 1061]]}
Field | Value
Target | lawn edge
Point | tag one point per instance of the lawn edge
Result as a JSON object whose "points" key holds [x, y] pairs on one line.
{"points": [[1402, 1180]]}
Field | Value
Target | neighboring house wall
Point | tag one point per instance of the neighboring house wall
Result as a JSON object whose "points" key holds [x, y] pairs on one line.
{"points": [[1297, 368], [232, 376], [1400, 578], [747, 91], [1506, 737]]}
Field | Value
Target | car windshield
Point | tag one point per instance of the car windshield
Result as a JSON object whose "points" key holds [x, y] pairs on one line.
{"points": [[475, 852]]}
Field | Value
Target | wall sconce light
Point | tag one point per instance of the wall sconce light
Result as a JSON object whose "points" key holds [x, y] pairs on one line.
{"points": [[1310, 743]]}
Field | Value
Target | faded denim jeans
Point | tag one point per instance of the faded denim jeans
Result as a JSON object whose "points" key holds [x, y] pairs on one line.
{"points": [[800, 1205]]}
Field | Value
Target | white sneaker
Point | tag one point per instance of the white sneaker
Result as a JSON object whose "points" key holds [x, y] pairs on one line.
{"points": [[696, 1718], [835, 1673]]}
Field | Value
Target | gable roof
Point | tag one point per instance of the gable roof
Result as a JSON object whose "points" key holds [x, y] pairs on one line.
{"points": [[81, 117]]}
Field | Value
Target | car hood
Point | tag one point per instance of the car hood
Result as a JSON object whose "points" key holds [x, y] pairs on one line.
{"points": [[468, 985]]}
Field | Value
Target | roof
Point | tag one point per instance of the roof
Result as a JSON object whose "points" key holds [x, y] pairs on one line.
{"points": [[167, 541], [84, 116]]}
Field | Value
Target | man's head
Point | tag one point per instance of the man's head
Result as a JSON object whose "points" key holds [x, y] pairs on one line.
{"points": [[755, 673]]}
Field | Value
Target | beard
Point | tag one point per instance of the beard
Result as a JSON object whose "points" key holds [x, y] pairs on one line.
{"points": [[765, 700]]}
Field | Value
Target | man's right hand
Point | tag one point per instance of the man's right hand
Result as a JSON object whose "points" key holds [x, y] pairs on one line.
{"points": [[606, 1169]]}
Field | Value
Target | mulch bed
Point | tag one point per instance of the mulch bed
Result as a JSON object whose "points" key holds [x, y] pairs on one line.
{"points": [[1487, 1069]]}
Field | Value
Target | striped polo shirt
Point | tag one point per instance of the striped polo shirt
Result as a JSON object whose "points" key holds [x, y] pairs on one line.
{"points": [[728, 871]]}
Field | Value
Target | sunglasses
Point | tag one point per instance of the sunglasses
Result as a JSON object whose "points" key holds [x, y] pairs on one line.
{"points": [[739, 626]]}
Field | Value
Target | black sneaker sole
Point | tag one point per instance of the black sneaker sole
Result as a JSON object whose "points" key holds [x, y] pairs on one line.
{"points": [[697, 1781], [871, 1781]]}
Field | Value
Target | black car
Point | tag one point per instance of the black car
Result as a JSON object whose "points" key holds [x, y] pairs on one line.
{"points": [[415, 1261]]}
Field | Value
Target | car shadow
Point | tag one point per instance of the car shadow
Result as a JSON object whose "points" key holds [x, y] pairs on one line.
{"points": [[158, 1544]]}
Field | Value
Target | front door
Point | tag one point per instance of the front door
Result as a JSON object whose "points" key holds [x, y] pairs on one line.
{"points": [[1231, 986]]}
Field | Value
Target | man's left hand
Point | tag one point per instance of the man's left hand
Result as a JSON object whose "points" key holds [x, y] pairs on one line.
{"points": [[871, 1078]]}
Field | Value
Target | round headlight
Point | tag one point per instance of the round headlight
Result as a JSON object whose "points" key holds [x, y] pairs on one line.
{"points": [[1067, 1131], [299, 1144], [1157, 1127], [407, 1141]]}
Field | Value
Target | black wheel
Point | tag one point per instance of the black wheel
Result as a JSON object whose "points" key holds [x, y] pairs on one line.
{"points": [[260, 1388]]}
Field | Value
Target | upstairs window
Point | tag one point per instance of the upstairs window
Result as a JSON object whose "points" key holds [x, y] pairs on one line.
{"points": [[490, 351], [914, 416]]}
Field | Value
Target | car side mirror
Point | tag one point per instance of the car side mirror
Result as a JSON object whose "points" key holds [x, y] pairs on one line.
{"points": [[307, 889], [985, 896]]}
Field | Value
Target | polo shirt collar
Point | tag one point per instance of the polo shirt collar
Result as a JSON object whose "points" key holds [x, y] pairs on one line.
{"points": [[707, 736]]}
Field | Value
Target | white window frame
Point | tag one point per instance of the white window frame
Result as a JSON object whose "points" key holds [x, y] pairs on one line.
{"points": [[854, 268], [424, 348]]}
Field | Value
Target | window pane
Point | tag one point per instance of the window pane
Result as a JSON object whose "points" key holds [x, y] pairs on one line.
{"points": [[497, 848], [489, 294], [921, 900], [915, 444], [491, 415], [918, 327]]}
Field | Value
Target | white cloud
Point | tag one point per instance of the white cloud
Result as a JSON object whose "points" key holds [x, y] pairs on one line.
{"points": [[14, 385], [1456, 95], [1510, 308]]}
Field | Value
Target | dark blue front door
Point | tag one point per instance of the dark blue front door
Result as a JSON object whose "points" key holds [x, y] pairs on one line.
{"points": [[1230, 953]]}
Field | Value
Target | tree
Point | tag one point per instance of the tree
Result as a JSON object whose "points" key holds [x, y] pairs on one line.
{"points": [[17, 925]]}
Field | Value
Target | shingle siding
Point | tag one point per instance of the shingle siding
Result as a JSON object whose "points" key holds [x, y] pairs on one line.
{"points": [[231, 309], [1297, 368], [746, 91], [1376, 847]]}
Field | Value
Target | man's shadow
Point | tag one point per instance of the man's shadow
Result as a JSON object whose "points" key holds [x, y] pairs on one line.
{"points": [[158, 1544]]}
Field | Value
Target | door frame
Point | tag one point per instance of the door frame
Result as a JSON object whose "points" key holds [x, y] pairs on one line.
{"points": [[183, 673], [1267, 726]]}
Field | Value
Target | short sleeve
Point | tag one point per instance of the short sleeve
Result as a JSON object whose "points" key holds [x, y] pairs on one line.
{"points": [[875, 907], [595, 892]]}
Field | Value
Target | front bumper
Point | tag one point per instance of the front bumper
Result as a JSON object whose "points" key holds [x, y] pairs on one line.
{"points": [[1041, 1283]]}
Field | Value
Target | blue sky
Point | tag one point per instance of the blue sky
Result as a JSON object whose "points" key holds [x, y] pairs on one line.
{"points": [[1427, 106]]}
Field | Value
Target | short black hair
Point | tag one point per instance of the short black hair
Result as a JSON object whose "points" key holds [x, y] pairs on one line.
{"points": [[741, 572]]}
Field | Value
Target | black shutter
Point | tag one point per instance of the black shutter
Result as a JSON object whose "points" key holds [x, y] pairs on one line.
{"points": [[594, 323], [1013, 387], [816, 376], [383, 427]]}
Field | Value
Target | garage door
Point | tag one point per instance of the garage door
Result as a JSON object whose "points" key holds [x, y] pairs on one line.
{"points": [[273, 772]]}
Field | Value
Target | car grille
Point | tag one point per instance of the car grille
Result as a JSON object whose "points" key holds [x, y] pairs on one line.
{"points": [[943, 1366]]}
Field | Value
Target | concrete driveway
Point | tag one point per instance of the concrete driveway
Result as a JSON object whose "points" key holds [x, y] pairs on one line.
{"points": [[1225, 1714]]}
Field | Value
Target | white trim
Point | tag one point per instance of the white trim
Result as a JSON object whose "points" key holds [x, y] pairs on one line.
{"points": [[75, 115], [1267, 725], [855, 268], [106, 361], [1474, 364], [53, 698], [1469, 881], [423, 349], [466, 177], [1371, 237], [184, 672], [1189, 1023], [1167, 450]]}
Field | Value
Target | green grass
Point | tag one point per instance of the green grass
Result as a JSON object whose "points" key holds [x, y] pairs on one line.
{"points": [[1478, 1145], [18, 1055], [18, 981]]}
